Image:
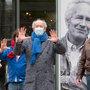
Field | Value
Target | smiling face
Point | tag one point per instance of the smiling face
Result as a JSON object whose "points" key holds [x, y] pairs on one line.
{"points": [[79, 25]]}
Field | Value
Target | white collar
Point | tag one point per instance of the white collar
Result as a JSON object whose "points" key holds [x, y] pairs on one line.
{"points": [[69, 44]]}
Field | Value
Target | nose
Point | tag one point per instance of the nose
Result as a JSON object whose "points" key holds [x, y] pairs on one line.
{"points": [[82, 24]]}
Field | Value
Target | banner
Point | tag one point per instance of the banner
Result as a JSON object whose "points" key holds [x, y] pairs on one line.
{"points": [[73, 35]]}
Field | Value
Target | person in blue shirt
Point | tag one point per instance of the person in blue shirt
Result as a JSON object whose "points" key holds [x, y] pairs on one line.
{"points": [[16, 63]]}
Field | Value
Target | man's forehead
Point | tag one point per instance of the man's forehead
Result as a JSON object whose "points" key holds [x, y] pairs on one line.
{"points": [[39, 22]]}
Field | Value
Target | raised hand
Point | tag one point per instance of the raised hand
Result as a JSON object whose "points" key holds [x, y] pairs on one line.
{"points": [[78, 81], [3, 44], [53, 34], [22, 32]]}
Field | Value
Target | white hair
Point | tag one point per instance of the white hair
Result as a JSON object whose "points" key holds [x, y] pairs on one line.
{"points": [[44, 23], [72, 8]]}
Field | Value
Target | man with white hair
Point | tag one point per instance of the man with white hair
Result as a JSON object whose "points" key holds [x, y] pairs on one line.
{"points": [[40, 51], [78, 24]]}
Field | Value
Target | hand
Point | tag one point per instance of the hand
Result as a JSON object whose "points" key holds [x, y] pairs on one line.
{"points": [[78, 81], [54, 37], [22, 32], [3, 44]]}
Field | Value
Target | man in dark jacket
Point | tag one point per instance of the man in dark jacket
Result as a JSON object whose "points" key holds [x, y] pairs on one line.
{"points": [[84, 65], [40, 50]]}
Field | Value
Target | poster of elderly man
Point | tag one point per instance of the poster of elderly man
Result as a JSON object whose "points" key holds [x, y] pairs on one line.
{"points": [[77, 21]]}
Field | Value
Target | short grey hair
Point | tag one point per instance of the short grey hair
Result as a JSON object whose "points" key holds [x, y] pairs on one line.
{"points": [[44, 22], [71, 9]]}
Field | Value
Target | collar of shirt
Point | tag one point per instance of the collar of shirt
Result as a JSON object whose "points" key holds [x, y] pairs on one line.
{"points": [[73, 55], [73, 47], [17, 57]]}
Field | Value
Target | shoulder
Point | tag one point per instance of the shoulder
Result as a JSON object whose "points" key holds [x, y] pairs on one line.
{"points": [[8, 49], [63, 39], [87, 44], [27, 41], [87, 41]]}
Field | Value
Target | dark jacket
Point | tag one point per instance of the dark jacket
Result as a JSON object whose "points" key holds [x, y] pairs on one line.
{"points": [[84, 64], [40, 76]]}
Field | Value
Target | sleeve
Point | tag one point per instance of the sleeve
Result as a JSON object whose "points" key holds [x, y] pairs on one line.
{"points": [[20, 46], [3, 55], [59, 47], [82, 61]]}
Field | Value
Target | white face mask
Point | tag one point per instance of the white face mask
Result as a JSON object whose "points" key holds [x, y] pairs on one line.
{"points": [[39, 31]]}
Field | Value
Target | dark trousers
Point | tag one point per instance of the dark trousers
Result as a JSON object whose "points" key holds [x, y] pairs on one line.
{"points": [[15, 86], [88, 82]]}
